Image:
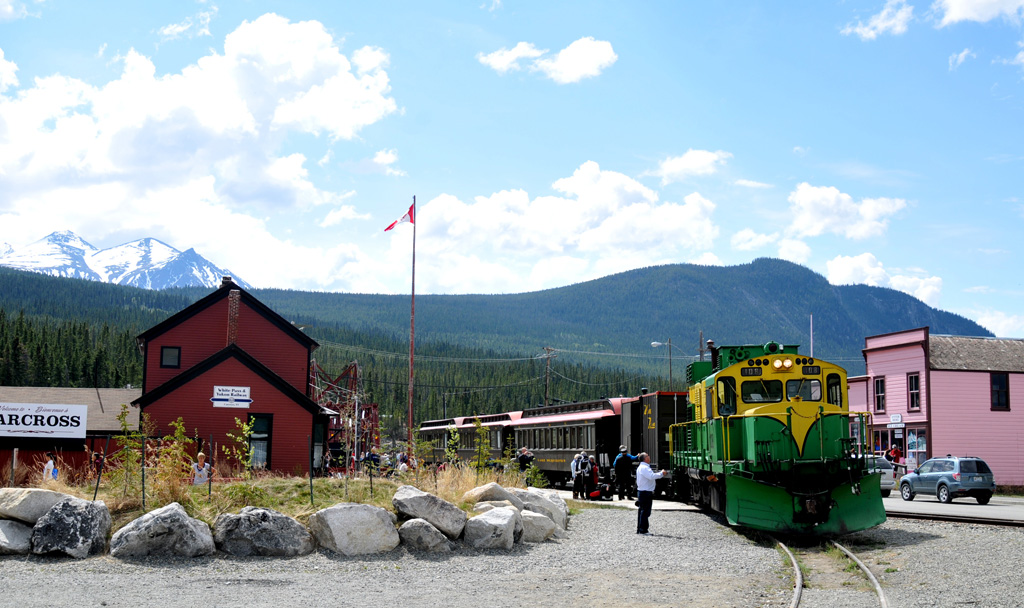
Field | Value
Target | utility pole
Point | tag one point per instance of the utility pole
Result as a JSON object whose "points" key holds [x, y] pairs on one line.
{"points": [[700, 347], [547, 373]]}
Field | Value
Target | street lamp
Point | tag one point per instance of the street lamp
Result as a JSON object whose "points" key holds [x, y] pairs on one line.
{"points": [[669, 345]]}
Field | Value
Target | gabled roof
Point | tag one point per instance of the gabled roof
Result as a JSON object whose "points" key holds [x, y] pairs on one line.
{"points": [[976, 354], [221, 293], [232, 351]]}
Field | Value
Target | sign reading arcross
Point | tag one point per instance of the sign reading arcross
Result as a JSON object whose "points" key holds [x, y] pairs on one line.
{"points": [[44, 420], [231, 396]]}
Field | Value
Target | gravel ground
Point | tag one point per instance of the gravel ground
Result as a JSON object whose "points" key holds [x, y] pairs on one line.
{"points": [[690, 560]]}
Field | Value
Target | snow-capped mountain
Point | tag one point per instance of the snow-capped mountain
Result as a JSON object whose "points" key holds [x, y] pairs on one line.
{"points": [[146, 263]]}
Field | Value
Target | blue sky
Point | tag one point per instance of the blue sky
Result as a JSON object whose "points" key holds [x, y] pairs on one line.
{"points": [[547, 143]]}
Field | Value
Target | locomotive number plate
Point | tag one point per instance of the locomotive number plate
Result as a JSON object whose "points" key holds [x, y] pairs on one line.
{"points": [[812, 370], [750, 371]]}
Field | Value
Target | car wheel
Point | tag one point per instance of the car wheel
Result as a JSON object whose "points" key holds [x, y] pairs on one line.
{"points": [[943, 494], [885, 493], [984, 498], [906, 493]]}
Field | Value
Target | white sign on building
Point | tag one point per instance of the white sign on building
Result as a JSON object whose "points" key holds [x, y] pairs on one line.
{"points": [[231, 396], [43, 420]]}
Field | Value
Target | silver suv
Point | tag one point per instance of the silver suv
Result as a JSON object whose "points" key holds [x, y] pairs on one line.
{"points": [[950, 477]]}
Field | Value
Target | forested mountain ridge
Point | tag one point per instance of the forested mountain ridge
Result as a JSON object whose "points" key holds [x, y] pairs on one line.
{"points": [[466, 345]]}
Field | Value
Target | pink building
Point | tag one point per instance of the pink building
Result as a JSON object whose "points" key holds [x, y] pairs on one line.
{"points": [[936, 395]]}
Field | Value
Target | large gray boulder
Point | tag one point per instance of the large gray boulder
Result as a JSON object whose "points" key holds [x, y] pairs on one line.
{"points": [[354, 529], [164, 531], [554, 497], [258, 531], [491, 492], [15, 537], [494, 529], [412, 503], [419, 535], [537, 528], [538, 503], [73, 526], [27, 504]]}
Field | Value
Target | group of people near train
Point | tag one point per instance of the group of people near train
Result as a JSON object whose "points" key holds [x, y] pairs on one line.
{"points": [[586, 479]]}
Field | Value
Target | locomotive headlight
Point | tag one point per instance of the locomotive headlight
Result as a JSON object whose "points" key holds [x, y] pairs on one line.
{"points": [[788, 363], [777, 364]]}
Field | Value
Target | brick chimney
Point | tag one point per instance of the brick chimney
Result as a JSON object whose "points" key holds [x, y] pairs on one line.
{"points": [[234, 299]]}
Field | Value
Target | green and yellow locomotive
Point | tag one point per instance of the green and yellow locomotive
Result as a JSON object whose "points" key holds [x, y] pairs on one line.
{"points": [[768, 442]]}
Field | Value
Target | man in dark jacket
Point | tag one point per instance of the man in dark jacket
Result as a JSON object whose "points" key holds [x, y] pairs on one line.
{"points": [[525, 459], [623, 466]]}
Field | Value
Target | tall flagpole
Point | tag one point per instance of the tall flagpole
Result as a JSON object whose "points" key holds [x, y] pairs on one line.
{"points": [[412, 319]]}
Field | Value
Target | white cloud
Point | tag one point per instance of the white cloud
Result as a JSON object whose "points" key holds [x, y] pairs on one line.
{"points": [[892, 20], [693, 162], [7, 73], [384, 159], [197, 25], [954, 11], [182, 156], [1000, 323], [819, 210], [866, 269], [957, 59], [599, 222], [345, 212], [926, 289], [504, 60], [979, 289], [794, 250], [1018, 58], [325, 159], [11, 10], [747, 239], [800, 150], [706, 259], [747, 183], [584, 58]]}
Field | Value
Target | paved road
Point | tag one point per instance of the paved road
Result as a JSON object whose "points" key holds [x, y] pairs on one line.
{"points": [[1001, 507]]}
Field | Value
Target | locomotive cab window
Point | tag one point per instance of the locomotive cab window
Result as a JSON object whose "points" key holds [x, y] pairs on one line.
{"points": [[726, 396], [834, 389], [807, 389], [761, 391]]}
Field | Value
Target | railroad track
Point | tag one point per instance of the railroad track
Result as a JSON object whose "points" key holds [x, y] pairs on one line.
{"points": [[822, 566]]}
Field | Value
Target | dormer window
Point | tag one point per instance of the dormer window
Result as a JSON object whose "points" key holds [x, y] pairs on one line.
{"points": [[170, 356]]}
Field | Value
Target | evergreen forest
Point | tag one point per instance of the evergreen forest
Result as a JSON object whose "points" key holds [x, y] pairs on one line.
{"points": [[479, 353]]}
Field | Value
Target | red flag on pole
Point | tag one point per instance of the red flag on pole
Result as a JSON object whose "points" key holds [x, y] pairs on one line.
{"points": [[408, 217]]}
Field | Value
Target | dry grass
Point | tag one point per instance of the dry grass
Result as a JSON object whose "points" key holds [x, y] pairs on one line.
{"points": [[287, 494]]}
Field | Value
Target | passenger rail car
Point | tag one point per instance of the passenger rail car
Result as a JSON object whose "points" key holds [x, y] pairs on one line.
{"points": [[556, 433], [768, 442]]}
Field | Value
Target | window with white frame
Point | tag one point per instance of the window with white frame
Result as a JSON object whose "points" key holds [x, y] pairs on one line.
{"points": [[913, 391], [880, 394]]}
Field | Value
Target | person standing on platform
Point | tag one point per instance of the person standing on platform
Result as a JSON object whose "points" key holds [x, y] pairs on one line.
{"points": [[623, 466], [646, 479], [574, 472]]}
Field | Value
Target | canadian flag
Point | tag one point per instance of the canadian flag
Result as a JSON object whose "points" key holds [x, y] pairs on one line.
{"points": [[410, 216]]}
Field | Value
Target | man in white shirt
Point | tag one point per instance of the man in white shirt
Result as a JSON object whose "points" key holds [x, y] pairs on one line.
{"points": [[645, 482]]}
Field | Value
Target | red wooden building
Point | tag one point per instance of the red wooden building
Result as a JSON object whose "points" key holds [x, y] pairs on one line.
{"points": [[229, 356]]}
